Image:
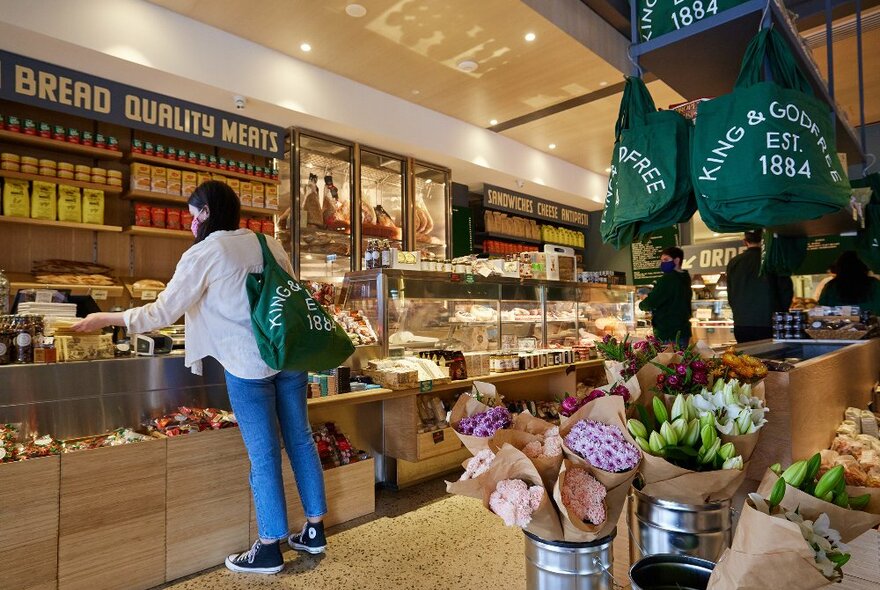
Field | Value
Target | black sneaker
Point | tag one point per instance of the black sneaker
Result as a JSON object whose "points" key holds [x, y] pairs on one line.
{"points": [[311, 539], [261, 559]]}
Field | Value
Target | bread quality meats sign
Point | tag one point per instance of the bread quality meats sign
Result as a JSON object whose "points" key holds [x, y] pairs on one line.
{"points": [[502, 199], [48, 86]]}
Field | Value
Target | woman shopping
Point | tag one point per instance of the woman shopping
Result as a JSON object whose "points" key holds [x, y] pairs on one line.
{"points": [[208, 288], [852, 285]]}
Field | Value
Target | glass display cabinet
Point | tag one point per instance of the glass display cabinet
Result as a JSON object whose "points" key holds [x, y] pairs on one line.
{"points": [[606, 310], [382, 199], [431, 213], [322, 194], [562, 315]]}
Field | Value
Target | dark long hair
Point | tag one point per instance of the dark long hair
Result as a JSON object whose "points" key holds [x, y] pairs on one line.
{"points": [[224, 208], [852, 280]]}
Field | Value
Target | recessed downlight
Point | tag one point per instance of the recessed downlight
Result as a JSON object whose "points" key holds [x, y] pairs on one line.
{"points": [[493, 122], [355, 10], [530, 37], [552, 146], [305, 47], [468, 65]]}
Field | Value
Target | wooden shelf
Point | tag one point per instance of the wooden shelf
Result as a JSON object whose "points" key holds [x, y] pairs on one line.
{"points": [[62, 224], [198, 168], [59, 146], [497, 236], [108, 190], [150, 196], [158, 232], [19, 281]]}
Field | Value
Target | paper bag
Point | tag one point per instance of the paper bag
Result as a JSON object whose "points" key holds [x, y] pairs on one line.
{"points": [[767, 552], [576, 531], [468, 406], [510, 463], [548, 467], [849, 523]]}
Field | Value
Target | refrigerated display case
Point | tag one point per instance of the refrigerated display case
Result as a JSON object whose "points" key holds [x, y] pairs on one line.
{"points": [[431, 213], [383, 201], [562, 315], [606, 310]]}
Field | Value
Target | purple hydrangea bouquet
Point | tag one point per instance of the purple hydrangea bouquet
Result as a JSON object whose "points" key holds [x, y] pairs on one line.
{"points": [[485, 424]]}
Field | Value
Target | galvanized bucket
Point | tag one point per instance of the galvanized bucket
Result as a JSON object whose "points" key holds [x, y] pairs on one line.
{"points": [[556, 565], [663, 526], [670, 572]]}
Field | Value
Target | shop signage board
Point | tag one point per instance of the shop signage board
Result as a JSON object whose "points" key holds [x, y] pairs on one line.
{"points": [[502, 199], [710, 258], [52, 87], [646, 255]]}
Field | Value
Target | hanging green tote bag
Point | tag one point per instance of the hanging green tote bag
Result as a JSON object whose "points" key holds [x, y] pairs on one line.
{"points": [[658, 17], [293, 331], [765, 155], [868, 240]]}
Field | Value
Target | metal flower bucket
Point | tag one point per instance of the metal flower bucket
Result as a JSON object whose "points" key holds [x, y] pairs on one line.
{"points": [[557, 565], [663, 526], [670, 572]]}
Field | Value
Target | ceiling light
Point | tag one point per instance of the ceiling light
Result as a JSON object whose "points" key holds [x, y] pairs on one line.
{"points": [[468, 65], [530, 37], [305, 47], [552, 146], [603, 83], [493, 122], [355, 10]]}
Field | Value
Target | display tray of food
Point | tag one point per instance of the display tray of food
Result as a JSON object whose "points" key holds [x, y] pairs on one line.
{"points": [[373, 230], [146, 289]]}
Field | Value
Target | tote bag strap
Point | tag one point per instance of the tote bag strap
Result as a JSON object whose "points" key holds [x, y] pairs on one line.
{"points": [[635, 104], [268, 257], [769, 45]]}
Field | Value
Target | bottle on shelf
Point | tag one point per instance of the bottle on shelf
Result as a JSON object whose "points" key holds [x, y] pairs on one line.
{"points": [[4, 293], [386, 254], [24, 340], [370, 261], [6, 339]]}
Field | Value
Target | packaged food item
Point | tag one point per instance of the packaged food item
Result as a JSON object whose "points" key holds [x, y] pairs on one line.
{"points": [[191, 157], [98, 179], [174, 181], [222, 164], [48, 172], [69, 203], [268, 227], [16, 198], [246, 193], [114, 174], [44, 130], [171, 153], [30, 128], [234, 184], [203, 177], [149, 148], [99, 141], [158, 215], [112, 144], [93, 206], [202, 159], [65, 166], [13, 123], [43, 200], [142, 215], [255, 225], [30, 161], [137, 146], [186, 219], [212, 161], [10, 157], [65, 175], [249, 169], [189, 180], [80, 169], [87, 138], [73, 135], [172, 218], [241, 168], [99, 172], [259, 198], [46, 163], [218, 178], [59, 133], [141, 176], [113, 181], [271, 196], [12, 166], [158, 179], [82, 177], [243, 223]]}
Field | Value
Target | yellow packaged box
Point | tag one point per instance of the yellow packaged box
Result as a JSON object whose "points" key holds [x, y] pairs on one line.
{"points": [[204, 177], [16, 198], [271, 196], [235, 185], [158, 179], [43, 200], [10, 157], [259, 198], [140, 176], [10, 165], [69, 203], [174, 181], [113, 174], [218, 178], [188, 183], [47, 163], [246, 193], [80, 169], [93, 206]]}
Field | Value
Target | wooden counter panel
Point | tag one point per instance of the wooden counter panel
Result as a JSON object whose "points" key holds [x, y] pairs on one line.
{"points": [[29, 523]]}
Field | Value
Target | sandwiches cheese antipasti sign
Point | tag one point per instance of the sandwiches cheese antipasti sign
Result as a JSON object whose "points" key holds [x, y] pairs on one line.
{"points": [[48, 86], [502, 199]]}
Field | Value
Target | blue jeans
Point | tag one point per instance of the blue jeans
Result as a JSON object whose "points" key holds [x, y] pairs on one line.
{"points": [[260, 404]]}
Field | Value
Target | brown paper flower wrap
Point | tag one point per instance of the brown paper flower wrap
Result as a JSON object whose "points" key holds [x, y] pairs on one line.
{"points": [[470, 488], [525, 422], [577, 531], [873, 506], [849, 523], [548, 467], [666, 481], [510, 463], [767, 552], [612, 375], [464, 407], [647, 376]]}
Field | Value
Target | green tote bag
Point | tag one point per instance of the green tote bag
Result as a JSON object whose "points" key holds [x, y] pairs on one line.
{"points": [[293, 331], [868, 240], [765, 154], [658, 17]]}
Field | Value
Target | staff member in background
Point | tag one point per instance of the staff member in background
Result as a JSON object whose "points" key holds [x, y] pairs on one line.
{"points": [[208, 286], [852, 285], [753, 297], [670, 300]]}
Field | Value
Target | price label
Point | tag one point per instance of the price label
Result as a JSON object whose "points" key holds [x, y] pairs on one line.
{"points": [[99, 294], [426, 386], [469, 279], [148, 295], [438, 436], [704, 314]]}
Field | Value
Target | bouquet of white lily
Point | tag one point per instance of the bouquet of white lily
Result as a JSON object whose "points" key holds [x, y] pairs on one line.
{"points": [[736, 410]]}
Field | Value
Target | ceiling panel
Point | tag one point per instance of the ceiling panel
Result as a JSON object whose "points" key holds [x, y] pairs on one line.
{"points": [[585, 135], [410, 48]]}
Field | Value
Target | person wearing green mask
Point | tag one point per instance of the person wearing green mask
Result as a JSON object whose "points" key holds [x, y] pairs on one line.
{"points": [[670, 300]]}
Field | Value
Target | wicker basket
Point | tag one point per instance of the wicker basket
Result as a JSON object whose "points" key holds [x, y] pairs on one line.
{"points": [[837, 334]]}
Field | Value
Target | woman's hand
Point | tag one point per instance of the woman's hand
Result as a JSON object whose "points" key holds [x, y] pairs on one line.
{"points": [[97, 321]]}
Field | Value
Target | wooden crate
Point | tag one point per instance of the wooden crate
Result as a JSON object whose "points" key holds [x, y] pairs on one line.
{"points": [[431, 444], [207, 515], [29, 524], [350, 489], [402, 438], [112, 523]]}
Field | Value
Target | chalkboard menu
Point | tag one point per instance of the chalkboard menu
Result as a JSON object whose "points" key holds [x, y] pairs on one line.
{"points": [[646, 255]]}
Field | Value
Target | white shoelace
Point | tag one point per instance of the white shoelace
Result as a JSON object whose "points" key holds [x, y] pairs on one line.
{"points": [[250, 555]]}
